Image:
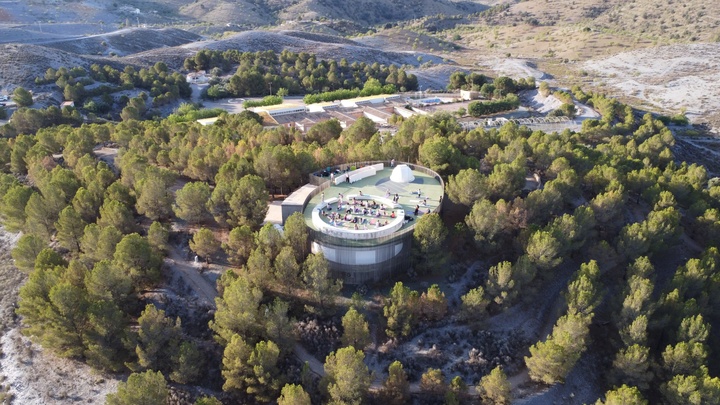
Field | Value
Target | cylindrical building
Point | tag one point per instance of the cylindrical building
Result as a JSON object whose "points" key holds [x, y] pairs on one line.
{"points": [[361, 216]]}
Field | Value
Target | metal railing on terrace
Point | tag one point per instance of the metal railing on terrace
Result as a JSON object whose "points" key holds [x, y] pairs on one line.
{"points": [[323, 183]]}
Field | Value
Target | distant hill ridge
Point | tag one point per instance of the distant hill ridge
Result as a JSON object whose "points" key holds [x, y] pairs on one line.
{"points": [[245, 13]]}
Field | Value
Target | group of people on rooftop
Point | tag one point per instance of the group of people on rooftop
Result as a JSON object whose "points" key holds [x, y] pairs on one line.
{"points": [[357, 207]]}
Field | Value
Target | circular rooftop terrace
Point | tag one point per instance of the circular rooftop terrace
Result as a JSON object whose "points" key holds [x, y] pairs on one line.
{"points": [[365, 205]]}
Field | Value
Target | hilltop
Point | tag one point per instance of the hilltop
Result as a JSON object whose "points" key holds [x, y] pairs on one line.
{"points": [[236, 12], [21, 64], [125, 41]]}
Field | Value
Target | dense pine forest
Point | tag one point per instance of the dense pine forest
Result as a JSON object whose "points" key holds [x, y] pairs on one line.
{"points": [[630, 233]]}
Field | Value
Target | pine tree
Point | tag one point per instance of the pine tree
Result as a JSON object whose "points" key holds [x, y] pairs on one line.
{"points": [[623, 395], [187, 363], [158, 339], [316, 275], [158, 235], [550, 361], [401, 311], [433, 304], [26, 251], [204, 243], [501, 284], [355, 330], [433, 383], [292, 394], [494, 388], [135, 257], [584, 293], [148, 388], [347, 378], [396, 388], [235, 368], [286, 268], [632, 366], [295, 235], [474, 305], [117, 215], [190, 202], [237, 311], [241, 242], [70, 229]]}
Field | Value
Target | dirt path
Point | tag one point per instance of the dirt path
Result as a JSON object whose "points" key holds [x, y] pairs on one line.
{"points": [[204, 290], [108, 156], [705, 151], [207, 293], [696, 143], [305, 357]]}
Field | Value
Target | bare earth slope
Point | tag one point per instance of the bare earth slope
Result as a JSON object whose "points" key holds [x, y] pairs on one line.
{"points": [[666, 78], [663, 20], [377, 11], [249, 13], [125, 42], [21, 64], [32, 376]]}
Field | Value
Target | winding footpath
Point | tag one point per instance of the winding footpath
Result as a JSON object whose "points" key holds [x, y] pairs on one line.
{"points": [[207, 293]]}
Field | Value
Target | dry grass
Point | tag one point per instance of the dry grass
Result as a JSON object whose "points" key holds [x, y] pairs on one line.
{"points": [[581, 29]]}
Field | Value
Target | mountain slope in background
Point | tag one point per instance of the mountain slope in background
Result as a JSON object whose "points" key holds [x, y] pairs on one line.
{"points": [[250, 13]]}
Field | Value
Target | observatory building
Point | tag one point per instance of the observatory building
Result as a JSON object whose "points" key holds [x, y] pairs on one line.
{"points": [[361, 216]]}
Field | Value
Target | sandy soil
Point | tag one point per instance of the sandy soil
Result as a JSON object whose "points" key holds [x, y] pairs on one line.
{"points": [[107, 155], [667, 78], [33, 375], [515, 68], [37, 377], [435, 77], [541, 104]]}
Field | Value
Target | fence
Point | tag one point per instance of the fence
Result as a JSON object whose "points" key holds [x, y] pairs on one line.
{"points": [[326, 183]]}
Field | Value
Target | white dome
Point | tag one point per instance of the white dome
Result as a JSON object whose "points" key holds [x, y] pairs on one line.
{"points": [[402, 174]]}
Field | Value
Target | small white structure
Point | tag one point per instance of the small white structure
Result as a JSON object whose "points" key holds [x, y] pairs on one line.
{"points": [[402, 174], [469, 94], [197, 77], [359, 174]]}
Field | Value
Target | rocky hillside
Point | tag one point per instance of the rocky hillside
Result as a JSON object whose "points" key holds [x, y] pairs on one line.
{"points": [[377, 11], [21, 64], [125, 42], [244, 13]]}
